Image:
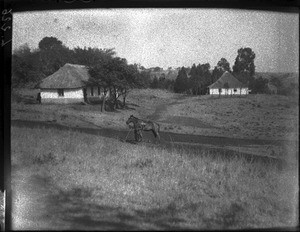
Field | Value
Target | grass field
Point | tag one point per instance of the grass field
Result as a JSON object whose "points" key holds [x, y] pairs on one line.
{"points": [[253, 116], [70, 180]]}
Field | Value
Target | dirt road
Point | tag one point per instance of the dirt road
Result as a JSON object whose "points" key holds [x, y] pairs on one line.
{"points": [[169, 140], [166, 137]]}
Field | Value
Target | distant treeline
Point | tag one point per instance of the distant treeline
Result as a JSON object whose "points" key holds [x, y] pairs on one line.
{"points": [[196, 79], [29, 67]]}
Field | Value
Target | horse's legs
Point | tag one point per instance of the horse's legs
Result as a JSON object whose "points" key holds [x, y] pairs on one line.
{"points": [[156, 134], [138, 135]]}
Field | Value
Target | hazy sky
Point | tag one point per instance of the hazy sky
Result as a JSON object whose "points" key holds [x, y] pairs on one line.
{"points": [[170, 37]]}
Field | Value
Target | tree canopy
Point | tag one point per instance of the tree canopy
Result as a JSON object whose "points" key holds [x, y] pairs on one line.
{"points": [[200, 78], [182, 82], [244, 61], [48, 43], [115, 75], [224, 65], [29, 67]]}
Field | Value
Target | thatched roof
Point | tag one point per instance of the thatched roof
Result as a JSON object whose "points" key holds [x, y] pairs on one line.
{"points": [[229, 79], [67, 77]]}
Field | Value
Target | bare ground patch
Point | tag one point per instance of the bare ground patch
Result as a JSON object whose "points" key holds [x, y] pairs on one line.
{"points": [[186, 121]]}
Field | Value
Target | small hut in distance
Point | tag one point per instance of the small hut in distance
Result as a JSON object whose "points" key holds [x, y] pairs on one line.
{"points": [[227, 84]]}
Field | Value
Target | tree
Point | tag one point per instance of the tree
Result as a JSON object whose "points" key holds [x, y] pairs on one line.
{"points": [[53, 54], [130, 80], [259, 85], [169, 84], [205, 77], [48, 43], [244, 62], [194, 79], [26, 67], [221, 67], [104, 74], [23, 51], [115, 75], [154, 83], [162, 81], [276, 81], [91, 56], [182, 82], [145, 79], [216, 74], [157, 69], [224, 65], [200, 78], [53, 59]]}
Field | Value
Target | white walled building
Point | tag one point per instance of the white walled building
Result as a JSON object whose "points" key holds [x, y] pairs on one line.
{"points": [[227, 84], [69, 85]]}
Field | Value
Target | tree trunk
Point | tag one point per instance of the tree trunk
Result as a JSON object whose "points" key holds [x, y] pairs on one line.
{"points": [[124, 101], [124, 96], [103, 101], [103, 105], [115, 98]]}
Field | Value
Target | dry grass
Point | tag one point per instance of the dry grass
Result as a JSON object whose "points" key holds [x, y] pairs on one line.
{"points": [[253, 116], [69, 180]]}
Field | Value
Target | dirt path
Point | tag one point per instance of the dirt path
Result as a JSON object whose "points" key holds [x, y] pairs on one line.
{"points": [[172, 140], [156, 116], [148, 136]]}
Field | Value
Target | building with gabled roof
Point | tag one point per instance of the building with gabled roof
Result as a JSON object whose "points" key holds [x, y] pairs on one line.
{"points": [[227, 84], [68, 85]]}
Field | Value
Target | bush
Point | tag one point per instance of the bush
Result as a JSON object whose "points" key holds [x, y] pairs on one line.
{"points": [[259, 85]]}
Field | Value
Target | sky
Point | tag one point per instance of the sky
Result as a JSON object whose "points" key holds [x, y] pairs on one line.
{"points": [[170, 37]]}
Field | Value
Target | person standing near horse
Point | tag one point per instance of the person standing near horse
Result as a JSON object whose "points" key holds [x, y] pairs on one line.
{"points": [[140, 125], [39, 98]]}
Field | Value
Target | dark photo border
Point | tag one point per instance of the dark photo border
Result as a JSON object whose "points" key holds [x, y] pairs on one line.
{"points": [[8, 8]]}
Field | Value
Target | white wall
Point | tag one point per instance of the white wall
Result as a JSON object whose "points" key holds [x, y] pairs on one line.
{"points": [[68, 93], [71, 93], [245, 91], [213, 91], [229, 91]]}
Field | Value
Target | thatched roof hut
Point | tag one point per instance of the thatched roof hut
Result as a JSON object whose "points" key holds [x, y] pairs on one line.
{"points": [[69, 76], [228, 78], [69, 84], [227, 84]]}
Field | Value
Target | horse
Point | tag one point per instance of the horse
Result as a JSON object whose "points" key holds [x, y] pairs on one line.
{"points": [[140, 125]]}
